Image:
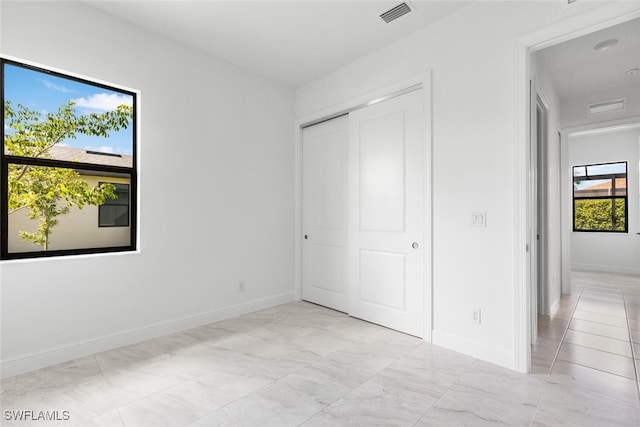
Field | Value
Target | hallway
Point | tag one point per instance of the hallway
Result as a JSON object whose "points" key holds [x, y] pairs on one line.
{"points": [[592, 338]]}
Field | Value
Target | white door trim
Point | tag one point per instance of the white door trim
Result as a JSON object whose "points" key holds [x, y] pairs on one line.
{"points": [[424, 80], [592, 20]]}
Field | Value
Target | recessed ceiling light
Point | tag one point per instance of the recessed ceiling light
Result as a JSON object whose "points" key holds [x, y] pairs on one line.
{"points": [[605, 44]]}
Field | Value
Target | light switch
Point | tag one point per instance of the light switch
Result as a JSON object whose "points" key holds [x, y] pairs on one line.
{"points": [[478, 219]]}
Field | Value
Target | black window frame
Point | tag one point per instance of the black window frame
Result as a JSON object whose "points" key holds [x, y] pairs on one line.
{"points": [[114, 202], [613, 197], [6, 160]]}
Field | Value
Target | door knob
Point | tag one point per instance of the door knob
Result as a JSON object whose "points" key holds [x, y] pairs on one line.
{"points": [[306, 237], [415, 245]]}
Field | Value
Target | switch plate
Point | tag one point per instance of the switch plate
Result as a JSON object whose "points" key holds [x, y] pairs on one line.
{"points": [[478, 219]]}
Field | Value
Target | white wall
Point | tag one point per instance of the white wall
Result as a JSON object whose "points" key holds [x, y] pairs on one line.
{"points": [[472, 56], [553, 236], [216, 194], [611, 252]]}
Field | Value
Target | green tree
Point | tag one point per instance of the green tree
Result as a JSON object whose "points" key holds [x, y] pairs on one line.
{"points": [[48, 192], [593, 214]]}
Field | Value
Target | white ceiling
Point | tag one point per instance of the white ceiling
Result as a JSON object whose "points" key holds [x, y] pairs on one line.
{"points": [[577, 69], [292, 42]]}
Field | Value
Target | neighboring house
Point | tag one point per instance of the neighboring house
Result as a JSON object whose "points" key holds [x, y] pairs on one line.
{"points": [[603, 189], [92, 226]]}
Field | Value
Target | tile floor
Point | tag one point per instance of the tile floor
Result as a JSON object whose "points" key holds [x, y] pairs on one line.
{"points": [[301, 364]]}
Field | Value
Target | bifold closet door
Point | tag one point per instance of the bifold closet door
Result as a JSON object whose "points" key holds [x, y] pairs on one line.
{"points": [[324, 213], [386, 213]]}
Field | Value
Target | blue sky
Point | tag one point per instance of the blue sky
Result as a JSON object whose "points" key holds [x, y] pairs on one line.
{"points": [[609, 168], [46, 93]]}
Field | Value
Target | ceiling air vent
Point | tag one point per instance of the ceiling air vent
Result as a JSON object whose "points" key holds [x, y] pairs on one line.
{"points": [[603, 107], [396, 12]]}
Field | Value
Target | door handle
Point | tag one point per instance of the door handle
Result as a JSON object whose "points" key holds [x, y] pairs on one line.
{"points": [[415, 245]]}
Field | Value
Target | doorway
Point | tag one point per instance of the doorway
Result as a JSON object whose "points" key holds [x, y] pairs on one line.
{"points": [[527, 268]]}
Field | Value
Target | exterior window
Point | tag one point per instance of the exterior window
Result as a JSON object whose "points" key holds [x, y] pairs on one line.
{"points": [[600, 197], [68, 156], [115, 212]]}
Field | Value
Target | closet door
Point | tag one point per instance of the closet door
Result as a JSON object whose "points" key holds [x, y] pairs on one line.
{"points": [[386, 213], [324, 221]]}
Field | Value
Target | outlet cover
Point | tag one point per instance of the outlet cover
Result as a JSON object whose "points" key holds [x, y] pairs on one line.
{"points": [[476, 316]]}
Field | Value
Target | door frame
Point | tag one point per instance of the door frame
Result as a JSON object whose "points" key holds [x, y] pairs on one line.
{"points": [[422, 80], [594, 19], [538, 254]]}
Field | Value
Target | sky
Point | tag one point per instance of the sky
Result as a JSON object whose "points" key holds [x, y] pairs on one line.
{"points": [[46, 93], [602, 169]]}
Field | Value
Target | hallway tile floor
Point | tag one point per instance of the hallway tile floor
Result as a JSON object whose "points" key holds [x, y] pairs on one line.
{"points": [[301, 364], [591, 339]]}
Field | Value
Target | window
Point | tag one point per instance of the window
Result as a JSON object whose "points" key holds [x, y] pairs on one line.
{"points": [[68, 156], [600, 197], [115, 212]]}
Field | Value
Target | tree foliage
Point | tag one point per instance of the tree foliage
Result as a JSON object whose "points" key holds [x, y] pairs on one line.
{"points": [[597, 215], [48, 192]]}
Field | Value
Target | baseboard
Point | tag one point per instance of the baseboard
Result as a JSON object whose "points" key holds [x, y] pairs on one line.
{"points": [[33, 361], [605, 268], [474, 349]]}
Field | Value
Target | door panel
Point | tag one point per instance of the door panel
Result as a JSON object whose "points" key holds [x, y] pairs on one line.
{"points": [[386, 214], [324, 151], [382, 167], [377, 270]]}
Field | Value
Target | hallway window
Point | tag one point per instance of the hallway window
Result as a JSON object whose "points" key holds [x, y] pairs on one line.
{"points": [[600, 197]]}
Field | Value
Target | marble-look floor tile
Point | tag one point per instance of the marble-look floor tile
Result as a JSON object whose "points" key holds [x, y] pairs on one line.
{"points": [[598, 342], [278, 404], [441, 359], [595, 381], [503, 383], [615, 310], [608, 362], [176, 406], [131, 356], [218, 418], [323, 387], [323, 342], [412, 374], [112, 419], [351, 369], [84, 402], [553, 320], [56, 379], [570, 406], [128, 386], [620, 322], [461, 406], [7, 392], [636, 350], [554, 332], [224, 387], [375, 404], [599, 329]]}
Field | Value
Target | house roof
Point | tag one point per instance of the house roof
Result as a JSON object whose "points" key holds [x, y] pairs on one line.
{"points": [[93, 157], [620, 183]]}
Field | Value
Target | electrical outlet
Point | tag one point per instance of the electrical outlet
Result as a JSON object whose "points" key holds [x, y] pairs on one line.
{"points": [[476, 316], [240, 286]]}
